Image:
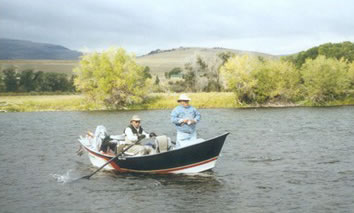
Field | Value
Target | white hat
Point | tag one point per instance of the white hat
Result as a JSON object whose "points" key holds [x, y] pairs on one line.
{"points": [[183, 97], [135, 118]]}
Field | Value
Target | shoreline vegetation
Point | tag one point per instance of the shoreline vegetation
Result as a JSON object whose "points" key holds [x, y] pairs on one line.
{"points": [[113, 80], [155, 101]]}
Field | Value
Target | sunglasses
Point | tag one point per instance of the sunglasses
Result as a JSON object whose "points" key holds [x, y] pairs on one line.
{"points": [[136, 121]]}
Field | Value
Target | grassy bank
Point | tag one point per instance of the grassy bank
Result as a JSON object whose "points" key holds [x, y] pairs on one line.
{"points": [[42, 103], [199, 100], [156, 101], [77, 102]]}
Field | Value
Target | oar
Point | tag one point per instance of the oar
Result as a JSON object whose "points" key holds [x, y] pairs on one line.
{"points": [[108, 162]]}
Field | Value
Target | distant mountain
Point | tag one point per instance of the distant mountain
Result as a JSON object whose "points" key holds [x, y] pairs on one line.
{"points": [[21, 49]]}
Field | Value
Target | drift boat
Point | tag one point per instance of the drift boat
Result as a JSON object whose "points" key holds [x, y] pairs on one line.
{"points": [[198, 157]]}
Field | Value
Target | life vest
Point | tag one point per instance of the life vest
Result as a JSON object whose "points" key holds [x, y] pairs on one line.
{"points": [[135, 131]]}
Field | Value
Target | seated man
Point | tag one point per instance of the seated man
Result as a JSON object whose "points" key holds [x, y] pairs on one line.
{"points": [[134, 133]]}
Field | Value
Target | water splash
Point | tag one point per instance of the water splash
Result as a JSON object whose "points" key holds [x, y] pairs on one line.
{"points": [[62, 178]]}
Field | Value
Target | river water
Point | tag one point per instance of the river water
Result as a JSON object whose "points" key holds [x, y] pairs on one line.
{"points": [[274, 160]]}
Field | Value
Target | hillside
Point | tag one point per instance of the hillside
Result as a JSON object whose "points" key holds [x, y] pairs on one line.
{"points": [[159, 61], [164, 61], [20, 49], [340, 50]]}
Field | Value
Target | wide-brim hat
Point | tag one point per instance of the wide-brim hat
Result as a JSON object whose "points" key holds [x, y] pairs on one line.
{"points": [[183, 97], [135, 118]]}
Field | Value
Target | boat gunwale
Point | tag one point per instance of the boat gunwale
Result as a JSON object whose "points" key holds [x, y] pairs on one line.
{"points": [[144, 156]]}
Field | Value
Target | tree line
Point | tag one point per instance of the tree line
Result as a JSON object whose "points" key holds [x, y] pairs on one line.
{"points": [[35, 81], [317, 82], [341, 50], [114, 78]]}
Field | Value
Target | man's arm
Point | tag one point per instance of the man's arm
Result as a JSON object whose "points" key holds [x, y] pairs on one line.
{"points": [[197, 116], [147, 135], [174, 117]]}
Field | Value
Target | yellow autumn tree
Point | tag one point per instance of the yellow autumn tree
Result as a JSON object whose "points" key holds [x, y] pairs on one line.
{"points": [[112, 78], [325, 79], [257, 81], [237, 74]]}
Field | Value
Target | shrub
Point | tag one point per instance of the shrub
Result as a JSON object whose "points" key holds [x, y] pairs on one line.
{"points": [[112, 78]]}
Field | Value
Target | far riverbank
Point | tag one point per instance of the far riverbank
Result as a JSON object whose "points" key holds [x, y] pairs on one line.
{"points": [[156, 101]]}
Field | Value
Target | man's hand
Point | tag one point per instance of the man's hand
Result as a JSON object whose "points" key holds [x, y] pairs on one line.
{"points": [[140, 137], [190, 122], [152, 134]]}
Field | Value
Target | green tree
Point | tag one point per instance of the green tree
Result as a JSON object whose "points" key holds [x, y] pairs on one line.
{"points": [[177, 86], [157, 80], [325, 79], [203, 66], [351, 77], [147, 73], [112, 78], [10, 80], [2, 84], [330, 50], [225, 56], [63, 82], [26, 83], [53, 82], [174, 72], [38, 81], [190, 79], [71, 85]]}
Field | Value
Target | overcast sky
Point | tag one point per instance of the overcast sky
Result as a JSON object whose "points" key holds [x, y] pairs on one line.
{"points": [[269, 26]]}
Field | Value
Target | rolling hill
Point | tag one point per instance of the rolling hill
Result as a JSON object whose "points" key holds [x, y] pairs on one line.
{"points": [[21, 49], [54, 58], [164, 61]]}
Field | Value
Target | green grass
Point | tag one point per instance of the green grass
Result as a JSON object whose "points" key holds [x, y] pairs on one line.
{"points": [[155, 101], [42, 103], [61, 66], [199, 100], [77, 102]]}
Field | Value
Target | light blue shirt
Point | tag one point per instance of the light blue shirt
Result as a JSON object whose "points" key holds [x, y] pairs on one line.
{"points": [[180, 113]]}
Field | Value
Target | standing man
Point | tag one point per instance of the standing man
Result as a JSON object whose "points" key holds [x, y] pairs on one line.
{"points": [[185, 117]]}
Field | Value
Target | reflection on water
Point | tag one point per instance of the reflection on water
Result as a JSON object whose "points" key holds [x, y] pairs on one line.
{"points": [[274, 160]]}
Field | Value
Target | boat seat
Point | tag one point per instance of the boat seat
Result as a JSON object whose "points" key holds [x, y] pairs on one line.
{"points": [[163, 143]]}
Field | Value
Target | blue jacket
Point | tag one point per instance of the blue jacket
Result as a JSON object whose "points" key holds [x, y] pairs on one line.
{"points": [[181, 113]]}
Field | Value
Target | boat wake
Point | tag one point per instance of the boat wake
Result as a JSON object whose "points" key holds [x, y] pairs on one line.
{"points": [[201, 174], [62, 178]]}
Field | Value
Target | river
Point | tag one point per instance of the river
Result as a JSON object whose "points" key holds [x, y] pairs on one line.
{"points": [[274, 160]]}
